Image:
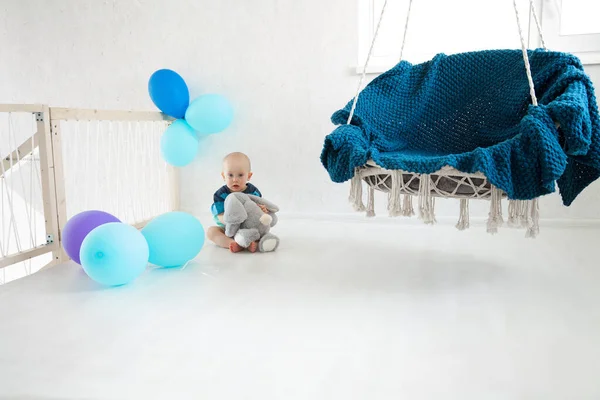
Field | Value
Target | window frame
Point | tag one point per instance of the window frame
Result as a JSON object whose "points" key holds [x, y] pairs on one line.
{"points": [[585, 47]]}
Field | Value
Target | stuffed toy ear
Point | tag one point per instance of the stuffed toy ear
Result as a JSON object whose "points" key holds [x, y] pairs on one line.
{"points": [[259, 200], [274, 219], [235, 213]]}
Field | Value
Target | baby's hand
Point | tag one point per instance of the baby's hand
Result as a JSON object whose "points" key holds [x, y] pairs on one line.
{"points": [[264, 208]]}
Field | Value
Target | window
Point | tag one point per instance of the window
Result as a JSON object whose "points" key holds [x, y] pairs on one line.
{"points": [[579, 17], [442, 26], [573, 26]]}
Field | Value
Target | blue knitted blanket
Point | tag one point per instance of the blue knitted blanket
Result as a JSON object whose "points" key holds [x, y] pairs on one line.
{"points": [[473, 111]]}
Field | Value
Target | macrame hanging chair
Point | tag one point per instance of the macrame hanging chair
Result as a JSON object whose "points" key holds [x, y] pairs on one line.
{"points": [[469, 126]]}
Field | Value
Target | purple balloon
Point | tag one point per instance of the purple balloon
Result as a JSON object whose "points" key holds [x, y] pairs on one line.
{"points": [[79, 226]]}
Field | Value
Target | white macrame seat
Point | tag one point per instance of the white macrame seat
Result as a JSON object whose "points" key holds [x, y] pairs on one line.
{"points": [[401, 186]]}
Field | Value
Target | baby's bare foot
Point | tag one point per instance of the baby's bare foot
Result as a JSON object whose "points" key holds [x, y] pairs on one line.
{"points": [[235, 248], [253, 247]]}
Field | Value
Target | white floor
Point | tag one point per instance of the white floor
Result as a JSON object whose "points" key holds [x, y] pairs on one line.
{"points": [[344, 310]]}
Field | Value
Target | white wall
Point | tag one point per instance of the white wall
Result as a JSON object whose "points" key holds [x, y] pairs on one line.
{"points": [[285, 65]]}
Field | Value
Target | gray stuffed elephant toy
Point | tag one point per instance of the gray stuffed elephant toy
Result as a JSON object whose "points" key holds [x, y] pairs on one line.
{"points": [[245, 222]]}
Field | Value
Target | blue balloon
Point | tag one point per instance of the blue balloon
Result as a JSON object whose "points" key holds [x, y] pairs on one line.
{"points": [[169, 92], [179, 144], [114, 254], [174, 239], [209, 113]]}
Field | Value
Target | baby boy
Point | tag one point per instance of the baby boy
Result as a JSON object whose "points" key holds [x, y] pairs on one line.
{"points": [[236, 174]]}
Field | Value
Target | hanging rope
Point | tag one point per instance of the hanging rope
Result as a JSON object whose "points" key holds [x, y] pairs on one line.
{"points": [[525, 56], [523, 47], [405, 29], [537, 24], [364, 72]]}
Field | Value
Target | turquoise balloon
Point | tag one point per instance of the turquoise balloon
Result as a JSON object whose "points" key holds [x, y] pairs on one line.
{"points": [[179, 144], [174, 239], [209, 113], [114, 254]]}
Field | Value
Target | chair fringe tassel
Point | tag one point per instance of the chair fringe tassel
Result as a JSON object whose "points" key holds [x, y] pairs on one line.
{"points": [[495, 219], [521, 213], [426, 200], [517, 214], [371, 202], [463, 219], [394, 195], [356, 194], [407, 206], [525, 214], [399, 204], [533, 222]]}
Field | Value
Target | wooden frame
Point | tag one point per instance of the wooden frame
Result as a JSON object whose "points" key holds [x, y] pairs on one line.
{"points": [[32, 108], [48, 138], [58, 114], [43, 139], [26, 255], [22, 151], [59, 185], [66, 114]]}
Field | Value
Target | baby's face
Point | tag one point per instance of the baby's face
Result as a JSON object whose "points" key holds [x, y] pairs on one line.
{"points": [[236, 174]]}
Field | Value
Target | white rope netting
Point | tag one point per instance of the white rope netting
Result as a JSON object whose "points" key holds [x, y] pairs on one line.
{"points": [[116, 166], [52, 169], [22, 224]]}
